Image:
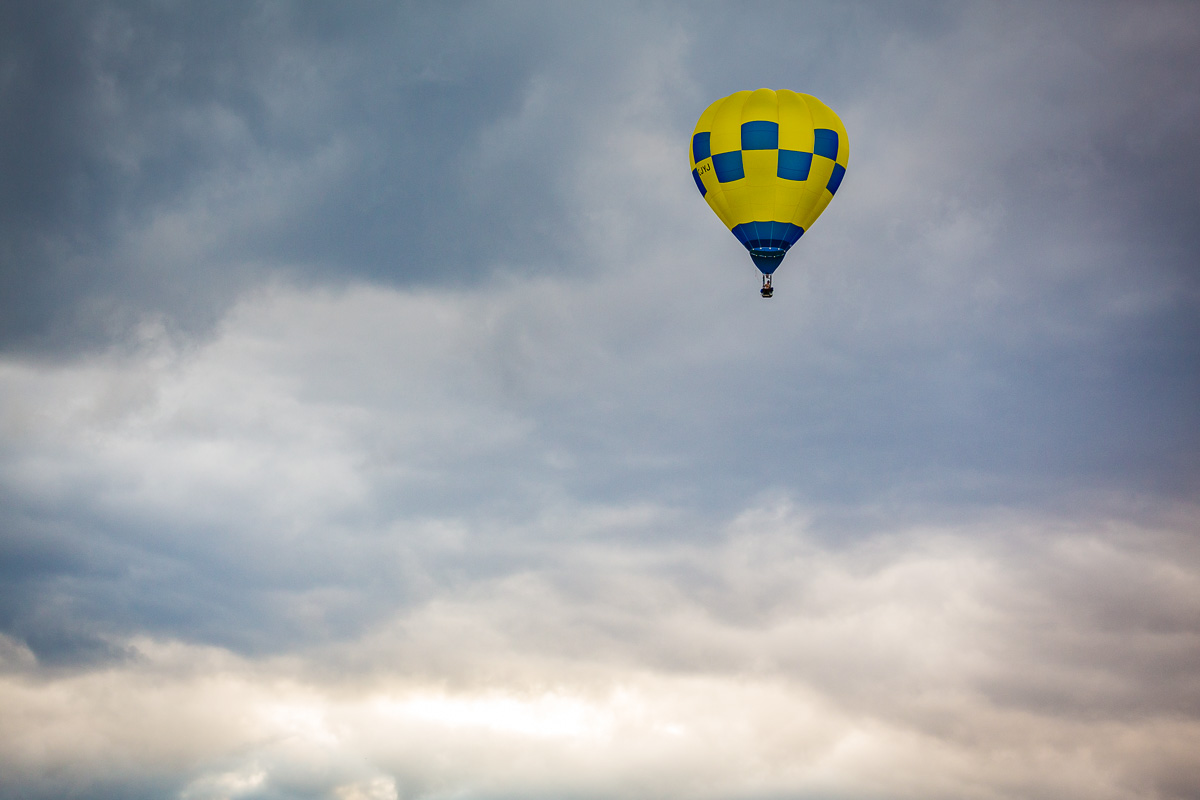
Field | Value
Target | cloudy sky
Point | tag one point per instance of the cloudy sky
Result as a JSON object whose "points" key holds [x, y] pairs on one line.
{"points": [[384, 415]]}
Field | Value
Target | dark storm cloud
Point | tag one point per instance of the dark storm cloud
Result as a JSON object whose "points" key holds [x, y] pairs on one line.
{"points": [[160, 158], [95, 96]]}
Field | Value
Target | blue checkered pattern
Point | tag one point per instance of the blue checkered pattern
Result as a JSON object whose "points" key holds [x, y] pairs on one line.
{"points": [[794, 165]]}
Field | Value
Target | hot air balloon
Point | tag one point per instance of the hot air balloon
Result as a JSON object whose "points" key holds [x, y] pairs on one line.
{"points": [[768, 163]]}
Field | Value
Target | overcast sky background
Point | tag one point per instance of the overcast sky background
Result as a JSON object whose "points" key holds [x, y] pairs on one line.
{"points": [[383, 413]]}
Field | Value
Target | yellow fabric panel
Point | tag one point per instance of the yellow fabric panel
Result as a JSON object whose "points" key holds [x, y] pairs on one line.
{"points": [[795, 122], [822, 202], [818, 177], [787, 195], [737, 195], [760, 167], [760, 105], [716, 194], [715, 197], [720, 204], [727, 124], [811, 206], [823, 117]]}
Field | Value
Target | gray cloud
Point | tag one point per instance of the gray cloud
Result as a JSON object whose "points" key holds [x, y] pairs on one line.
{"points": [[167, 158]]}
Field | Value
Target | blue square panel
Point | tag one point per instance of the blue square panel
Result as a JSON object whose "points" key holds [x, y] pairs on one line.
{"points": [[700, 147], [835, 180], [794, 165], [825, 143], [760, 135], [728, 166]]}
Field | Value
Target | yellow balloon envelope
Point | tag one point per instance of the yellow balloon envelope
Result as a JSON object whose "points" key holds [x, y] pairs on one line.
{"points": [[768, 163]]}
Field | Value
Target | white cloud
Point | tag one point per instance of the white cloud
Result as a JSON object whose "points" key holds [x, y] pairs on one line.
{"points": [[225, 786], [768, 661]]}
